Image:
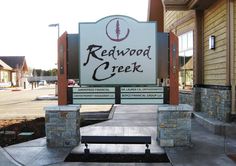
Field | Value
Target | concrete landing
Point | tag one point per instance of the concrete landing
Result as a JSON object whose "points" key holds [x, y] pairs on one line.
{"points": [[36, 153], [119, 148], [127, 121]]}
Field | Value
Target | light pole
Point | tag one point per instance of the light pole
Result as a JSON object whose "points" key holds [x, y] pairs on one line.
{"points": [[58, 35], [58, 28]]}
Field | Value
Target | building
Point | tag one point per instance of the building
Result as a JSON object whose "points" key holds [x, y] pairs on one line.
{"points": [[207, 38], [5, 72], [12, 71]]}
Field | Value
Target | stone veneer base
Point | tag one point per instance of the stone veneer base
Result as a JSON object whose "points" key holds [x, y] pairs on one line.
{"points": [[62, 125], [174, 125]]}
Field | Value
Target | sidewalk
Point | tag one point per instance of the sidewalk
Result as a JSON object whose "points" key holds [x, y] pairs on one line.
{"points": [[207, 149], [6, 159]]}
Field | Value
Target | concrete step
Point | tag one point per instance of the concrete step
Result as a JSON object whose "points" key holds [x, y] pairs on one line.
{"points": [[95, 115], [100, 116]]}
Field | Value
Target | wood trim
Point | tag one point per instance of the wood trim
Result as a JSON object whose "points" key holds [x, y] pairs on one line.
{"points": [[231, 42], [192, 3], [228, 38], [62, 70], [181, 32], [231, 52], [199, 47], [174, 69], [156, 13], [181, 21]]}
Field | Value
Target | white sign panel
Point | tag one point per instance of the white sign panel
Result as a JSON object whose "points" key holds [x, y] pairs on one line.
{"points": [[117, 50], [93, 89], [142, 95], [93, 95], [142, 89]]}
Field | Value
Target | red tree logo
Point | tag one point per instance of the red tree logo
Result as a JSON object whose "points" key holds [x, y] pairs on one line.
{"points": [[117, 29]]}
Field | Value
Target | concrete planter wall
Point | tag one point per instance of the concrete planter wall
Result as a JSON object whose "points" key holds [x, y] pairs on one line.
{"points": [[214, 102], [62, 126]]}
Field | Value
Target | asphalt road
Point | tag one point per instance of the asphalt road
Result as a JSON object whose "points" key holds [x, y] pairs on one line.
{"points": [[22, 104]]}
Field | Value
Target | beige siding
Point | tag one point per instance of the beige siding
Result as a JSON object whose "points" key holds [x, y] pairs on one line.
{"points": [[215, 22], [173, 18], [170, 18]]}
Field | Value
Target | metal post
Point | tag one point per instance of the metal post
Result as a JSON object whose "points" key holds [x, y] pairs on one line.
{"points": [[58, 28], [58, 35]]}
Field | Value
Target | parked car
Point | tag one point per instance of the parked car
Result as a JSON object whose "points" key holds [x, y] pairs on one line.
{"points": [[70, 82], [42, 82]]}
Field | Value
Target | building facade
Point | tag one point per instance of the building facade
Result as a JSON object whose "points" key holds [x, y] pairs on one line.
{"points": [[207, 37], [5, 74], [12, 71]]}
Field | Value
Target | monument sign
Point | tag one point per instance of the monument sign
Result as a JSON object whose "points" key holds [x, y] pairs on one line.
{"points": [[117, 54]]}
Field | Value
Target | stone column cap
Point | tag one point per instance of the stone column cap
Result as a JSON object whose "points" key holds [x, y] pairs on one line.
{"points": [[62, 108], [180, 107]]}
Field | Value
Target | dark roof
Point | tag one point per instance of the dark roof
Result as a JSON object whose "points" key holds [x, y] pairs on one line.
{"points": [[14, 61], [4, 65]]}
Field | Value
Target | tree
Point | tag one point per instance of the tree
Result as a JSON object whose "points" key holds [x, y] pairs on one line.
{"points": [[40, 72]]}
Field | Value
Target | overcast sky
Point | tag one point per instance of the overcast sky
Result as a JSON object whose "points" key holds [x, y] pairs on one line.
{"points": [[24, 24]]}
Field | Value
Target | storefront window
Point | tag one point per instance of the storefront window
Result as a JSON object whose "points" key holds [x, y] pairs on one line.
{"points": [[186, 60]]}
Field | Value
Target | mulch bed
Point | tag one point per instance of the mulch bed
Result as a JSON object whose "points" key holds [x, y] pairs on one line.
{"points": [[9, 130], [232, 157]]}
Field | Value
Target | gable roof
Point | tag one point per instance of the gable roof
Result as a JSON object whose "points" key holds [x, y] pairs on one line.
{"points": [[4, 66], [15, 62]]}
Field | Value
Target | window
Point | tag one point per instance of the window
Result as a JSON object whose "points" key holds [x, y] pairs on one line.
{"points": [[186, 60], [4, 76]]}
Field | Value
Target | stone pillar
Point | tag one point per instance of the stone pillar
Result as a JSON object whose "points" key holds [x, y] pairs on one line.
{"points": [[174, 125], [62, 125]]}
